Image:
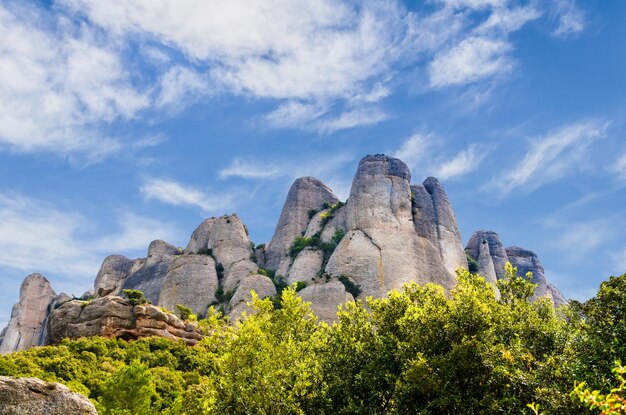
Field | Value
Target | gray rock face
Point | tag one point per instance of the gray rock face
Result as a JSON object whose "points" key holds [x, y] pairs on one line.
{"points": [[325, 298], [226, 239], [306, 193], [434, 220], [26, 324], [262, 285], [496, 251], [527, 261], [150, 277], [306, 265], [338, 222], [382, 249], [113, 272], [191, 281], [113, 316], [32, 396]]}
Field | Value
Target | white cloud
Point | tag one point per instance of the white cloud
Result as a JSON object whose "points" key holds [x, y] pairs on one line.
{"points": [[463, 163], [55, 84], [471, 60], [350, 119], [248, 170], [424, 155], [551, 157], [276, 48], [571, 19], [177, 194], [415, 149], [36, 236], [619, 166], [180, 84]]}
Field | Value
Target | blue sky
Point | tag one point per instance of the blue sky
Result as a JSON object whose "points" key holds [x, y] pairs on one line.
{"points": [[130, 120]]}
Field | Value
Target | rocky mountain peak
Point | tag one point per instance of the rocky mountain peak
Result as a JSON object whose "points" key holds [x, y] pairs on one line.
{"points": [[26, 325], [306, 194]]}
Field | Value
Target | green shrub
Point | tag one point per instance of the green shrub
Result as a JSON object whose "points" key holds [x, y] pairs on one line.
{"points": [[223, 297], [186, 313], [312, 212], [472, 265], [219, 269], [205, 251], [135, 297], [351, 287], [299, 286]]}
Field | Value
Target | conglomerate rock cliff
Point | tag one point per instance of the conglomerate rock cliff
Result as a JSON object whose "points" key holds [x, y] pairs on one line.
{"points": [[387, 233]]}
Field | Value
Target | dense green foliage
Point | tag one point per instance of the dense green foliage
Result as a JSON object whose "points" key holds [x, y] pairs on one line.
{"points": [[418, 351]]}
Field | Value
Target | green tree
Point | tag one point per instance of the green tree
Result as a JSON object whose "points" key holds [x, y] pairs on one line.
{"points": [[129, 391]]}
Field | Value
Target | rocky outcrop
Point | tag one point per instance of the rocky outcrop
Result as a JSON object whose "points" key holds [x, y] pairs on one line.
{"points": [[150, 277], [260, 284], [115, 317], [382, 250], [28, 315], [526, 261], [113, 272], [191, 281], [226, 239], [32, 396], [306, 266], [305, 194], [495, 250], [325, 298], [434, 220], [487, 249]]}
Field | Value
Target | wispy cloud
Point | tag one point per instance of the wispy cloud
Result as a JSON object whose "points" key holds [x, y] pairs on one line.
{"points": [[37, 236], [424, 153], [178, 194], [57, 84], [463, 163], [571, 19], [619, 261], [619, 166], [248, 170], [550, 157], [471, 60]]}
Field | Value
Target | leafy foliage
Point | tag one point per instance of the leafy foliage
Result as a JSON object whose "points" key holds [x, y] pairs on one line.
{"points": [[135, 297], [351, 287], [186, 313], [419, 350]]}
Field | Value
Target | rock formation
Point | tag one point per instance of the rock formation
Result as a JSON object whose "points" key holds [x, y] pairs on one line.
{"points": [[382, 250], [113, 272], [434, 220], [325, 298], [191, 280], [26, 324], [115, 317], [388, 232], [305, 195], [487, 249], [527, 261], [150, 277], [32, 396]]}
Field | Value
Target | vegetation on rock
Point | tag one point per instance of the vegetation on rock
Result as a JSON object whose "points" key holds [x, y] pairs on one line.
{"points": [[415, 351]]}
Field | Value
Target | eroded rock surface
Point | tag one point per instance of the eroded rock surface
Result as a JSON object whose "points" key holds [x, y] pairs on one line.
{"points": [[325, 298], [527, 261], [150, 277], [226, 239], [262, 286], [382, 249], [496, 251], [306, 193], [306, 265], [28, 315], [32, 396], [191, 281], [115, 317], [113, 272]]}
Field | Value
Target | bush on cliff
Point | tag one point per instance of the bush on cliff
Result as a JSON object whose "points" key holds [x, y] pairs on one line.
{"points": [[416, 351]]}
